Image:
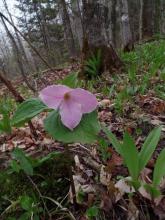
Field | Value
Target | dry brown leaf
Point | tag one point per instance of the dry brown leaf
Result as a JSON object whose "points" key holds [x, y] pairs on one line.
{"points": [[144, 193], [144, 175], [133, 212], [159, 210], [123, 187], [106, 202], [105, 177]]}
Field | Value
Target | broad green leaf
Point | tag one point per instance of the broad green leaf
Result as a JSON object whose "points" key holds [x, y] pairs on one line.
{"points": [[27, 110], [149, 147], [85, 132], [26, 202], [92, 212], [159, 170], [71, 80], [15, 166], [116, 144], [130, 155], [1, 127], [6, 123], [25, 164]]}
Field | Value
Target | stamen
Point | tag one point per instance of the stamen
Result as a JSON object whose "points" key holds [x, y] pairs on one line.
{"points": [[66, 96]]}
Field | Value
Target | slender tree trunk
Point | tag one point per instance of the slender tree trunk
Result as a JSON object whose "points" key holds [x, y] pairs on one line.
{"points": [[68, 29], [18, 98], [127, 40], [20, 45], [77, 23], [141, 21], [162, 19], [28, 41], [18, 56], [148, 18]]}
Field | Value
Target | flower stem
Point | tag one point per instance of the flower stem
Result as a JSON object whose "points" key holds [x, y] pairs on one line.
{"points": [[70, 157]]}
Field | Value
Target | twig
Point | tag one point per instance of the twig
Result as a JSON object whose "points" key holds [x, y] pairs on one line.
{"points": [[19, 99], [30, 44], [36, 187]]}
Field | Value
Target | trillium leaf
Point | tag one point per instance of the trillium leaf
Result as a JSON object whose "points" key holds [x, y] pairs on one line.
{"points": [[27, 110], [85, 132]]}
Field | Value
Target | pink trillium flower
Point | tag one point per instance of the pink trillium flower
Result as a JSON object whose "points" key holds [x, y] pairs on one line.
{"points": [[71, 103]]}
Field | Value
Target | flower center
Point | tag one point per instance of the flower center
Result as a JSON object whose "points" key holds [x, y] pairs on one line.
{"points": [[66, 96]]}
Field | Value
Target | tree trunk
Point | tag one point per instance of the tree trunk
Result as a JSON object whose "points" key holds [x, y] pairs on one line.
{"points": [[148, 18], [68, 29], [18, 98], [141, 20], [18, 56], [77, 22], [28, 41], [162, 14], [127, 40], [95, 15]]}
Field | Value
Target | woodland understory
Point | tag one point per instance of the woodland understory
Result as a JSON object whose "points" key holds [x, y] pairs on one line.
{"points": [[112, 164], [130, 100]]}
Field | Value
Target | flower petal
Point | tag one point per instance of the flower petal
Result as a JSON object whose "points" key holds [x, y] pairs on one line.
{"points": [[53, 95], [71, 114], [87, 100]]}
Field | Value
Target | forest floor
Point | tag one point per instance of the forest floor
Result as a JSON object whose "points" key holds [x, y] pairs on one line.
{"points": [[131, 100]]}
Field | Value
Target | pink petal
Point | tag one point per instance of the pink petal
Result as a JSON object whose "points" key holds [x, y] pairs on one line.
{"points": [[71, 114], [87, 100], [53, 95]]}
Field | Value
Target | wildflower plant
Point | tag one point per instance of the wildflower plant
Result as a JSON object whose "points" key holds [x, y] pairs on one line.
{"points": [[72, 117]]}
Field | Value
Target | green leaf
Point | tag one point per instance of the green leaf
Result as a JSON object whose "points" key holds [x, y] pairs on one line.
{"points": [[27, 110], [26, 202], [25, 164], [85, 132], [92, 212], [130, 155], [159, 170], [154, 192], [71, 80], [15, 166], [25, 216], [116, 144], [149, 147], [103, 148], [47, 157], [5, 125]]}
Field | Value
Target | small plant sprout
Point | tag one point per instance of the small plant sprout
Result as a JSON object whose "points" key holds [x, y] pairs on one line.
{"points": [[71, 103], [134, 160]]}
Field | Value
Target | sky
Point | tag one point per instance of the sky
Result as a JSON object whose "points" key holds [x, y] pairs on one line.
{"points": [[11, 7]]}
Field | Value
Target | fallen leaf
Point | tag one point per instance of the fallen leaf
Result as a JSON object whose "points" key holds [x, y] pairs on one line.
{"points": [[123, 187], [105, 177]]}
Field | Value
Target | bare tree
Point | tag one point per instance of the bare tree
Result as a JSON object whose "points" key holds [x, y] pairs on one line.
{"points": [[17, 55], [68, 29]]}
